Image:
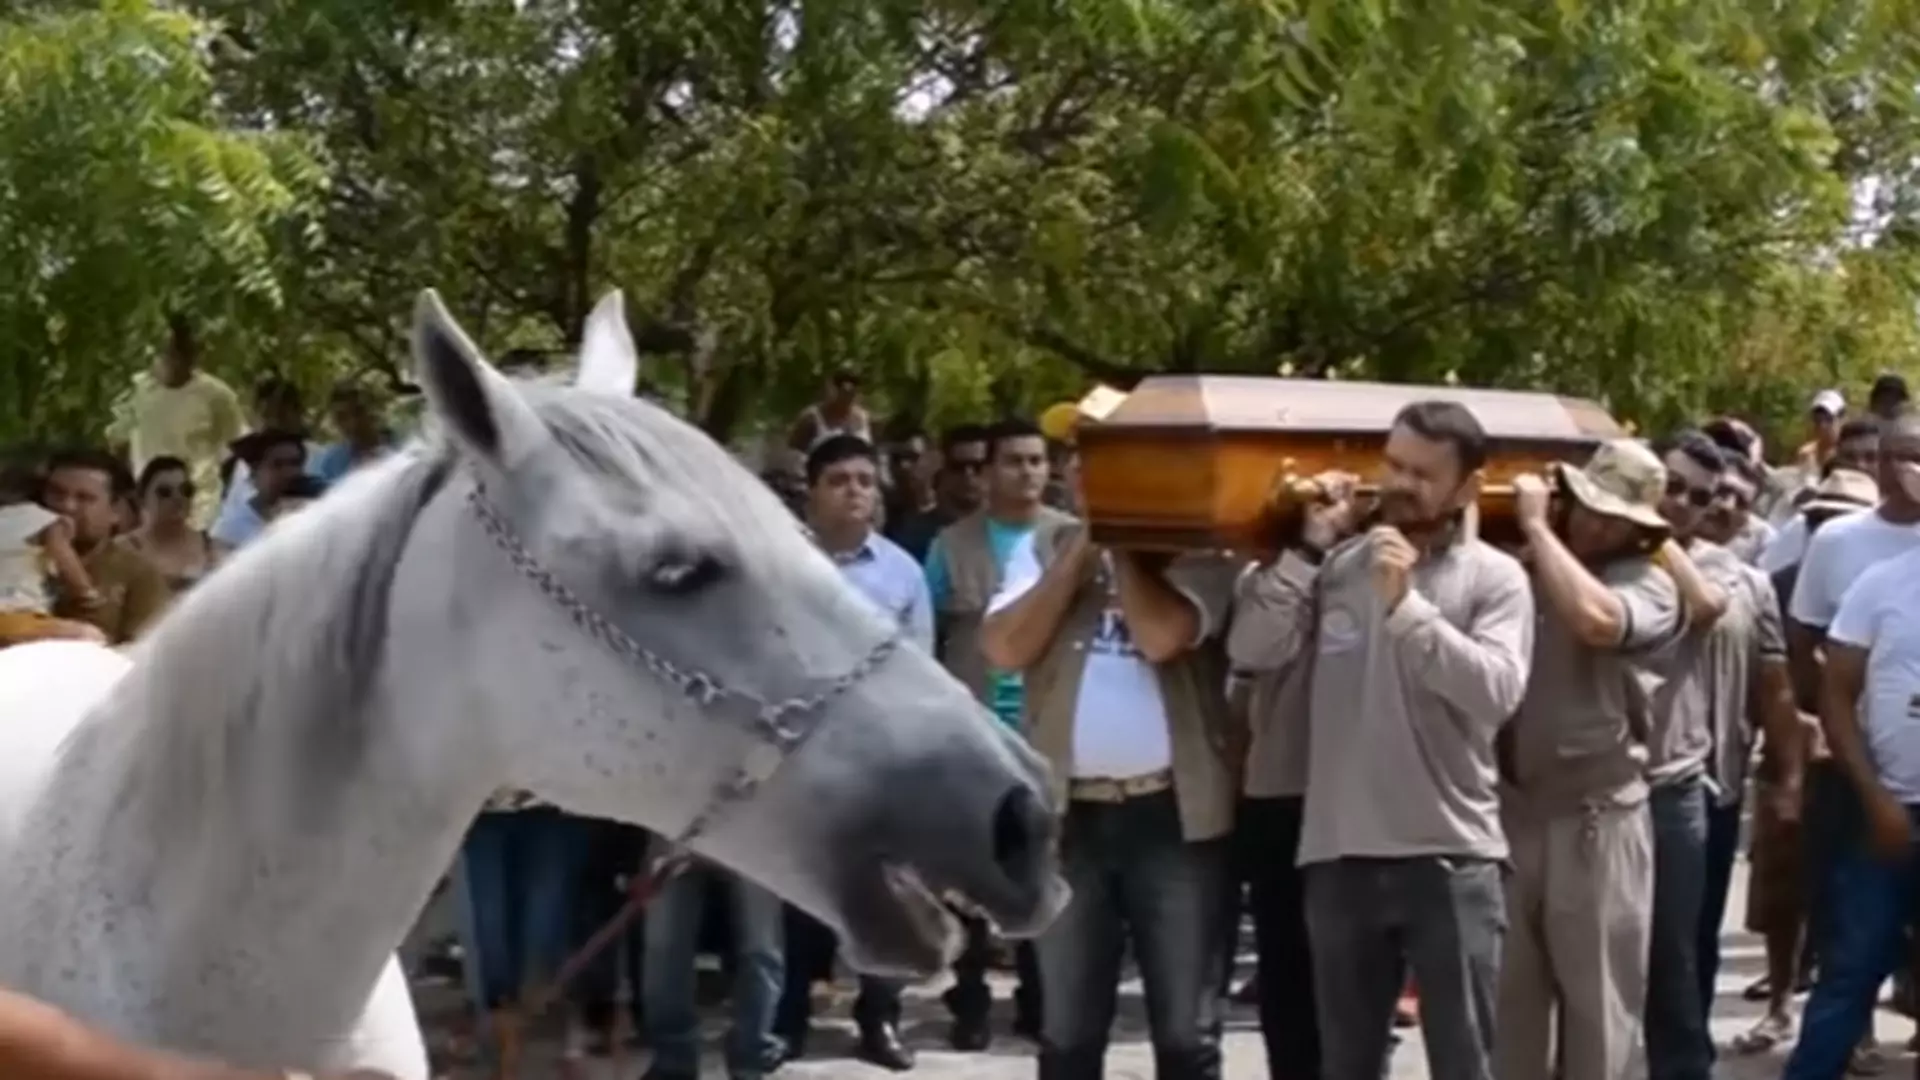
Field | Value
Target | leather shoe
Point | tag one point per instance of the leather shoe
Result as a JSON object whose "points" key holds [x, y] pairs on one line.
{"points": [[880, 1045]]}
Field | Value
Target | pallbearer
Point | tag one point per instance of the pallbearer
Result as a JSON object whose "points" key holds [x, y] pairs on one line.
{"points": [[1418, 636]]}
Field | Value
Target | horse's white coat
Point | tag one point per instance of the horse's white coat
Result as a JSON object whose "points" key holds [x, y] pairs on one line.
{"points": [[216, 844]]}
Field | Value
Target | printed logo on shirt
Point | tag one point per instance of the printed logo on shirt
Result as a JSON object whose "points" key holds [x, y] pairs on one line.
{"points": [[1913, 707], [1112, 638], [1339, 631]]}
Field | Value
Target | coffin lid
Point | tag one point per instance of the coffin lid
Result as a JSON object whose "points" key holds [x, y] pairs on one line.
{"points": [[1227, 403]]}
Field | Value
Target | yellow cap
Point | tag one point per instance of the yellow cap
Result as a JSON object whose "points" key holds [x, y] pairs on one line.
{"points": [[1058, 422]]}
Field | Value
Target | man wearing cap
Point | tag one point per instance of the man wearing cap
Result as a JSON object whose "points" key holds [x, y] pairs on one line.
{"points": [[1417, 636], [1781, 891], [1574, 800], [1825, 413]]}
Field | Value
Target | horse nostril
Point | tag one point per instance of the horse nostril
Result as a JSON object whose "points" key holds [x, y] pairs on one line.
{"points": [[1022, 831]]}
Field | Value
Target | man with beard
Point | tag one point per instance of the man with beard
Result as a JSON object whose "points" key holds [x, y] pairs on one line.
{"points": [[1420, 635], [1579, 898]]}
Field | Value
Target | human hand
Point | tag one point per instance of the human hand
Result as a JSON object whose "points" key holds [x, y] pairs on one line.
{"points": [[1391, 557], [1889, 831], [1531, 499], [1331, 514]]}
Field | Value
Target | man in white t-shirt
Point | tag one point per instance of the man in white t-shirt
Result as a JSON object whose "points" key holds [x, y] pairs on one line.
{"points": [[1837, 557], [1870, 711], [1125, 695]]}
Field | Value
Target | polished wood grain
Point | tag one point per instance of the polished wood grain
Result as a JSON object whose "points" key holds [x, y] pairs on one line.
{"points": [[1212, 462]]}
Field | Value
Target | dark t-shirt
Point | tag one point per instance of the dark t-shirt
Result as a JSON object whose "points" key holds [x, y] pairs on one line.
{"points": [[915, 531]]}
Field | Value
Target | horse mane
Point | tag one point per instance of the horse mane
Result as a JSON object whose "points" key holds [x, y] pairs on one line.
{"points": [[274, 655], [285, 639]]}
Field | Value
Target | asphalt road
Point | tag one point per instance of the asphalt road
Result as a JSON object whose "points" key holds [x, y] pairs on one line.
{"points": [[1131, 1057]]}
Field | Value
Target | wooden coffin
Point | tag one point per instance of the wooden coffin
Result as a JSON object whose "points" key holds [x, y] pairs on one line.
{"points": [[1194, 462]]}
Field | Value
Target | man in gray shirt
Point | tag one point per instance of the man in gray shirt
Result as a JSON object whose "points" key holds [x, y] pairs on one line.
{"points": [[1573, 759], [1418, 635], [1678, 751]]}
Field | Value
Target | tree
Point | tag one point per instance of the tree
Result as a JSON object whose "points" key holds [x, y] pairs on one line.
{"points": [[123, 197]]}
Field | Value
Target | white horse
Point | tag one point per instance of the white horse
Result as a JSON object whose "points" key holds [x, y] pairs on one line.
{"points": [[216, 844]]}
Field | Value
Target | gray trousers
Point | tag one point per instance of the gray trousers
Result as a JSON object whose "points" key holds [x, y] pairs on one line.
{"points": [[1573, 991], [1371, 921]]}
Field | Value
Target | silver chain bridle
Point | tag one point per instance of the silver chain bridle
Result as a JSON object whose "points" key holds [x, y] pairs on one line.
{"points": [[778, 727]]}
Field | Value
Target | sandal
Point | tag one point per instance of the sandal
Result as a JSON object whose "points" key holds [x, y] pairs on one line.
{"points": [[1764, 1036], [1867, 1060]]}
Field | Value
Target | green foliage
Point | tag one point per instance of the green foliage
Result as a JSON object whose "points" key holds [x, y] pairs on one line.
{"points": [[123, 196], [988, 205]]}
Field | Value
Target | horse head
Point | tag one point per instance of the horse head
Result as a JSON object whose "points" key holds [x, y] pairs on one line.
{"points": [[648, 635]]}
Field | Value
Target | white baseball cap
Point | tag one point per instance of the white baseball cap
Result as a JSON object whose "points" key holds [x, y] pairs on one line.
{"points": [[1829, 402]]}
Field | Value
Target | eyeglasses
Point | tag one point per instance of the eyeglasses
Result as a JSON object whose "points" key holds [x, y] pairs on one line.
{"points": [[173, 491], [1738, 498], [962, 465], [1678, 488]]}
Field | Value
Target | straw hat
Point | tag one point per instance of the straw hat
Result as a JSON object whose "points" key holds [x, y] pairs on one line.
{"points": [[1623, 479], [1843, 492]]}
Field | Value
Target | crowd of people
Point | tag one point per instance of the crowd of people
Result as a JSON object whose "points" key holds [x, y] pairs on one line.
{"points": [[1504, 769]]}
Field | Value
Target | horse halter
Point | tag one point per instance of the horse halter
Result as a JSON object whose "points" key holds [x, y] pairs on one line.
{"points": [[779, 727]]}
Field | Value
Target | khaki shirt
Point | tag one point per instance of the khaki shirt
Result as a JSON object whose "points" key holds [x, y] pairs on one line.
{"points": [[1402, 707], [1581, 733], [1745, 639], [1682, 735], [1192, 689], [973, 579], [132, 593]]}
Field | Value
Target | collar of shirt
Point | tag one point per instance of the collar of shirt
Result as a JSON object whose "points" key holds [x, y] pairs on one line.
{"points": [[861, 554]]}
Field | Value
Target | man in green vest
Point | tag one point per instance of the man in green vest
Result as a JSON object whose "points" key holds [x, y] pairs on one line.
{"points": [[965, 567]]}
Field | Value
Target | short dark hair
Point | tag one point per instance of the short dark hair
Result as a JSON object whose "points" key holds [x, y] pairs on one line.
{"points": [[1013, 427], [1889, 387], [1729, 436], [253, 448], [1447, 422], [961, 434], [277, 388], [1695, 447], [305, 486], [157, 467], [835, 449], [89, 459], [1860, 427]]}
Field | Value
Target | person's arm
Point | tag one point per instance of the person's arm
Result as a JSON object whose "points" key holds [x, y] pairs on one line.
{"points": [[229, 419], [1595, 613], [1844, 677], [39, 1042], [800, 436], [147, 596], [1771, 705], [1705, 601], [56, 540], [1480, 670], [1163, 620], [1273, 613], [1023, 619], [919, 614]]}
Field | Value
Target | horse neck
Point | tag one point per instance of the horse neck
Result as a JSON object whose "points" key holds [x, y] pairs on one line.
{"points": [[271, 881]]}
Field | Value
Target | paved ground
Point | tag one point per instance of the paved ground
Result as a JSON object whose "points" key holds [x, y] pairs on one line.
{"points": [[1131, 1058]]}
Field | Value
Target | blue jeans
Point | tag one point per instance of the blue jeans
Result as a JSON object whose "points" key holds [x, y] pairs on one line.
{"points": [[667, 988], [1723, 846], [1136, 880], [516, 880], [1679, 1046], [1871, 906]]}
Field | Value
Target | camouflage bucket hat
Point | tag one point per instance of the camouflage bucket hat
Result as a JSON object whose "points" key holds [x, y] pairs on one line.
{"points": [[1623, 479]]}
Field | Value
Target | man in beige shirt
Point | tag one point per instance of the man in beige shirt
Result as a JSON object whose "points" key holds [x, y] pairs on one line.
{"points": [[1580, 896], [1418, 636]]}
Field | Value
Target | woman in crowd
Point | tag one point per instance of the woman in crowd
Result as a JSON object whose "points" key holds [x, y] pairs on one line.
{"points": [[166, 536]]}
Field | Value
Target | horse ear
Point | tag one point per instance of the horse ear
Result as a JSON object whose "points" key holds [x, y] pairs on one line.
{"points": [[475, 403], [609, 364]]}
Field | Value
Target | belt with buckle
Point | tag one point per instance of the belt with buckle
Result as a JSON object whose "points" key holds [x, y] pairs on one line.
{"points": [[1100, 789]]}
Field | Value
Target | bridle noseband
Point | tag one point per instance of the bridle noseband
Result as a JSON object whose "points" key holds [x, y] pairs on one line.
{"points": [[779, 727]]}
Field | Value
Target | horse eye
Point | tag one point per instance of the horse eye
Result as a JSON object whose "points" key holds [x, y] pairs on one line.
{"points": [[684, 576]]}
